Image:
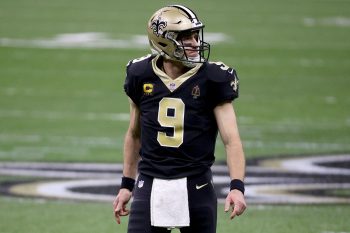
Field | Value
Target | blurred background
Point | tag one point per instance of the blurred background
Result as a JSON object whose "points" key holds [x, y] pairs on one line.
{"points": [[62, 68]]}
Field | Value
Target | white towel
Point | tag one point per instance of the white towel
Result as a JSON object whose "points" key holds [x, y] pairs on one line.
{"points": [[169, 203]]}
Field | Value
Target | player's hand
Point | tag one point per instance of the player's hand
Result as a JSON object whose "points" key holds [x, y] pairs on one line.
{"points": [[235, 198], [119, 204]]}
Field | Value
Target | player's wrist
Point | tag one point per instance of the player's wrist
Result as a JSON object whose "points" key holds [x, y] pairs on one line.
{"points": [[127, 183], [237, 184]]}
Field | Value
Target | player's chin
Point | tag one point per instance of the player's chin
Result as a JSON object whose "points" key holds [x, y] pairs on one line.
{"points": [[192, 55]]}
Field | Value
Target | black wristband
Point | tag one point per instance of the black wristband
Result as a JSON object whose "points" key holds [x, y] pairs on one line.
{"points": [[237, 184], [127, 183]]}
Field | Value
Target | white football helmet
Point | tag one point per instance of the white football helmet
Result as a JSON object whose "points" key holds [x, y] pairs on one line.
{"points": [[165, 28]]}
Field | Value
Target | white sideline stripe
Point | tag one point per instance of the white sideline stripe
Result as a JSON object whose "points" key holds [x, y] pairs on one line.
{"points": [[313, 165], [39, 152], [60, 170], [54, 174], [278, 193], [305, 165], [66, 170], [308, 165], [53, 115], [67, 166], [94, 40]]}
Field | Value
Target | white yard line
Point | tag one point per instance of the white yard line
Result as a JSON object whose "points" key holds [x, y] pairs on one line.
{"points": [[94, 40], [285, 193], [337, 21]]}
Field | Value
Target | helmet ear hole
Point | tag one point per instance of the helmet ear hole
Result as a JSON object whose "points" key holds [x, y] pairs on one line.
{"points": [[162, 44]]}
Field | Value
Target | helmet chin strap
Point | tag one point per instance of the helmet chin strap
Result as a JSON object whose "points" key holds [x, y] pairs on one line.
{"points": [[191, 61], [180, 56]]}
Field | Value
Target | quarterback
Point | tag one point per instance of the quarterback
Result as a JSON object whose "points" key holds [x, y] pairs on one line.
{"points": [[179, 102]]}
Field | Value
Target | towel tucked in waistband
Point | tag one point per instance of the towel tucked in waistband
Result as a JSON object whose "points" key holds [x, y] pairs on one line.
{"points": [[169, 203]]}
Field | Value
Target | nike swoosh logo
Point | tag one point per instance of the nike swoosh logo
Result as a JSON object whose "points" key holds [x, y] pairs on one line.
{"points": [[201, 186]]}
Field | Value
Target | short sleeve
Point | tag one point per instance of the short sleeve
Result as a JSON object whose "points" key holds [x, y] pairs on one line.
{"points": [[131, 87], [224, 87]]}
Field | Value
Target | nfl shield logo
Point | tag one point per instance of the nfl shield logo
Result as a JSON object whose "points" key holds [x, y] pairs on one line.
{"points": [[140, 184], [172, 86]]}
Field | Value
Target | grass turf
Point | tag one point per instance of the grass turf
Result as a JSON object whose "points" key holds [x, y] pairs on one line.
{"points": [[32, 216], [65, 104], [292, 58]]}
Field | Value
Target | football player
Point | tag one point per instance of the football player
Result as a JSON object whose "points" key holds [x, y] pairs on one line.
{"points": [[179, 101]]}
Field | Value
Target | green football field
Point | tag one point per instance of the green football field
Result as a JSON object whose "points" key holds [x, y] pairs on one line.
{"points": [[62, 68]]}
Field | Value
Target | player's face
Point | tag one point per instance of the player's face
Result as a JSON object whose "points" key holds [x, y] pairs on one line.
{"points": [[190, 40]]}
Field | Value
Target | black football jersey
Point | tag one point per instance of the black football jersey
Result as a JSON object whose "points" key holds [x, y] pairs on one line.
{"points": [[178, 126]]}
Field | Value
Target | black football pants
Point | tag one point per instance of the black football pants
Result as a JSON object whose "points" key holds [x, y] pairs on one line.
{"points": [[202, 206]]}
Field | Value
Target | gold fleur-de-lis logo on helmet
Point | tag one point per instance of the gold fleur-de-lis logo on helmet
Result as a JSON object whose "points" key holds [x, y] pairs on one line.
{"points": [[158, 25]]}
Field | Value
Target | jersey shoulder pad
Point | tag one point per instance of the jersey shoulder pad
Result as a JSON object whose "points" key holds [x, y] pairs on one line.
{"points": [[223, 82], [219, 71], [138, 66]]}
